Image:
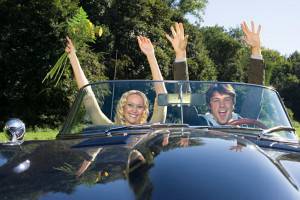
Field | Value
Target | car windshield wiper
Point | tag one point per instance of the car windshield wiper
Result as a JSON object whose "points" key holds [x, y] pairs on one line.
{"points": [[268, 140], [276, 129], [268, 134], [144, 126], [235, 128], [169, 125], [122, 128]]}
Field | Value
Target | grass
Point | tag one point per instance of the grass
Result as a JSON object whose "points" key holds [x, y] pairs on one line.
{"points": [[35, 135]]}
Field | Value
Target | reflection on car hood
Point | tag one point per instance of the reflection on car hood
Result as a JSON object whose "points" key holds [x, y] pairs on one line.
{"points": [[179, 163]]}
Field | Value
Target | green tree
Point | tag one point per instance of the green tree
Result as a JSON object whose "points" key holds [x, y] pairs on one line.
{"points": [[295, 60], [33, 35], [273, 61], [224, 50], [201, 67], [285, 78], [124, 21], [184, 7]]}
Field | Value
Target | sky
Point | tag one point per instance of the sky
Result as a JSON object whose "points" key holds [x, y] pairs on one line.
{"points": [[280, 20]]}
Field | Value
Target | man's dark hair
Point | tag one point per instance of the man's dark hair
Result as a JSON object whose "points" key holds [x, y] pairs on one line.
{"points": [[222, 89]]}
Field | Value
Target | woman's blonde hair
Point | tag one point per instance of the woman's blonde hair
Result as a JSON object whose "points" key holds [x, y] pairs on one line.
{"points": [[119, 117]]}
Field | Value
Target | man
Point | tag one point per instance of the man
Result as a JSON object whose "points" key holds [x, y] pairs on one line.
{"points": [[221, 99], [222, 108]]}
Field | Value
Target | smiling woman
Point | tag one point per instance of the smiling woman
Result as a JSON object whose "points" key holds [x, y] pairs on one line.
{"points": [[133, 108], [125, 115]]}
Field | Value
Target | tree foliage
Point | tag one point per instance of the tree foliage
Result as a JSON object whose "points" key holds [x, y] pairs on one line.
{"points": [[193, 7], [285, 77], [33, 35], [224, 51], [82, 31]]}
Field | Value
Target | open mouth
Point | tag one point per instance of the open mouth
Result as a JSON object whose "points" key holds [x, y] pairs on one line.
{"points": [[133, 116], [222, 114]]}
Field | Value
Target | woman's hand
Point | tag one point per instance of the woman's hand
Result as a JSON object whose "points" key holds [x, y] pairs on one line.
{"points": [[70, 49], [145, 46]]}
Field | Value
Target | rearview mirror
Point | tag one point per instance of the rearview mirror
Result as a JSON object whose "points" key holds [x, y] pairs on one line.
{"points": [[187, 99]]}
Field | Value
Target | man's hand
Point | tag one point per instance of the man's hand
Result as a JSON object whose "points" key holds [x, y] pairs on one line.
{"points": [[252, 37], [178, 40]]}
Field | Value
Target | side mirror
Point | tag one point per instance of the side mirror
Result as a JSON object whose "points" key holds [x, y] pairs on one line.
{"points": [[14, 131]]}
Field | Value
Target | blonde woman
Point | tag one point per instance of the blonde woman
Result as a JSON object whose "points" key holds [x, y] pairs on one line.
{"points": [[133, 107]]}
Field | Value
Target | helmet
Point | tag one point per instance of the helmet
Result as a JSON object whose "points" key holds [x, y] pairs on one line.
{"points": [[14, 129]]}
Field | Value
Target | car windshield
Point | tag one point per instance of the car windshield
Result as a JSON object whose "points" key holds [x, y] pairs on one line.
{"points": [[196, 103]]}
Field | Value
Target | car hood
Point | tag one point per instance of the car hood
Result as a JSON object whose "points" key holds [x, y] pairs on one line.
{"points": [[163, 164]]}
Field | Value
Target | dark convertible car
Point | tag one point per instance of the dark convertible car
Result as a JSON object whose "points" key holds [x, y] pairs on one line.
{"points": [[180, 155]]}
